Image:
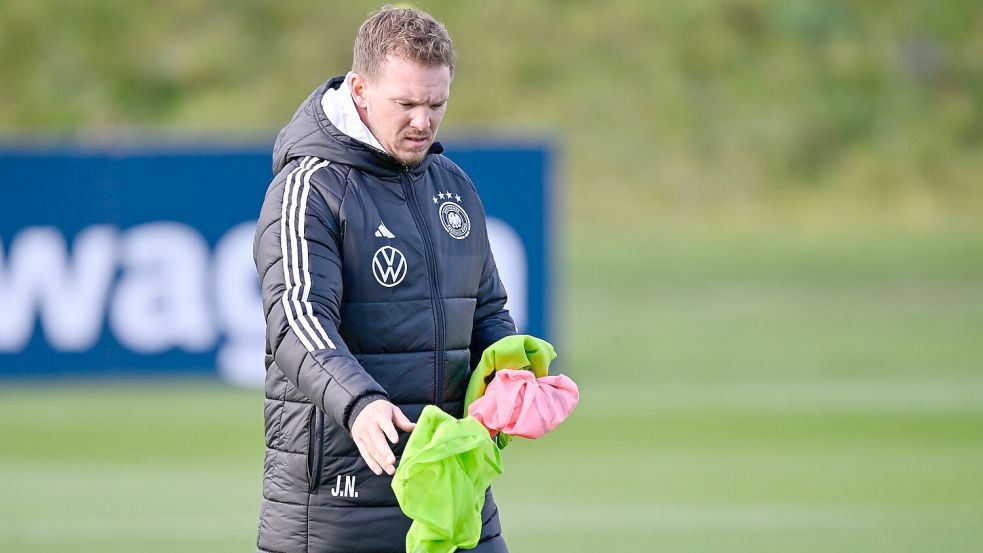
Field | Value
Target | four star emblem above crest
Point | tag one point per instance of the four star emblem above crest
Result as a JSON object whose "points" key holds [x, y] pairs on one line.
{"points": [[446, 195]]}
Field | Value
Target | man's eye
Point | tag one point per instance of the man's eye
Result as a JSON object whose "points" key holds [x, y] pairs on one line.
{"points": [[438, 106]]}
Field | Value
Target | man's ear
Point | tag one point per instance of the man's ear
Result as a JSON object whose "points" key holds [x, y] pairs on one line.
{"points": [[358, 86]]}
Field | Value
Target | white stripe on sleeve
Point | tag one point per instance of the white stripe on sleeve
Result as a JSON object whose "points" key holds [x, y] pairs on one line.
{"points": [[294, 249]]}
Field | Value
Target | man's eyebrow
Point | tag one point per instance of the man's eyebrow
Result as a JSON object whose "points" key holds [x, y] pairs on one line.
{"points": [[416, 102]]}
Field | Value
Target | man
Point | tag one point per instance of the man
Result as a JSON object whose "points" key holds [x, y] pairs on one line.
{"points": [[379, 289]]}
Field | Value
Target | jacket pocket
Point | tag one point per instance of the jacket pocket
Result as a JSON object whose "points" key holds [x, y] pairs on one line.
{"points": [[315, 449]]}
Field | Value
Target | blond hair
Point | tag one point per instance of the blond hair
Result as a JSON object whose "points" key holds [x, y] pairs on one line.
{"points": [[402, 32]]}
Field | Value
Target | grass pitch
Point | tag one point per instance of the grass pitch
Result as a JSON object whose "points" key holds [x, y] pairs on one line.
{"points": [[758, 393]]}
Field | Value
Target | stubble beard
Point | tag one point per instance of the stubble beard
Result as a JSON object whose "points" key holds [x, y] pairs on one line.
{"points": [[412, 160], [409, 163]]}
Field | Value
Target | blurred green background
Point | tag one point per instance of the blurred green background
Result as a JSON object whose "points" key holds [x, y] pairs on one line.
{"points": [[771, 284]]}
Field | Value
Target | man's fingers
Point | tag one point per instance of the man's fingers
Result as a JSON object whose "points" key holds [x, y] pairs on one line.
{"points": [[380, 450], [370, 431], [368, 457], [401, 421], [390, 430]]}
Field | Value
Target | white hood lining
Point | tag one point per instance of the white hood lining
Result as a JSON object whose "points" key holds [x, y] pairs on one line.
{"points": [[340, 108]]}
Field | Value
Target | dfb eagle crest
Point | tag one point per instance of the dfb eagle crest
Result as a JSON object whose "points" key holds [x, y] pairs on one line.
{"points": [[455, 220]]}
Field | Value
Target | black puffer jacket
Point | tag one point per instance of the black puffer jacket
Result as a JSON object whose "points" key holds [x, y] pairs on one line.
{"points": [[377, 281]]}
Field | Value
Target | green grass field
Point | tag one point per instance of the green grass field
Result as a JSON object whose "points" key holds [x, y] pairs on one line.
{"points": [[756, 393]]}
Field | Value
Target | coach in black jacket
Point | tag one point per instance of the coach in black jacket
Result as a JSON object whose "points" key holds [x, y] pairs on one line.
{"points": [[379, 289]]}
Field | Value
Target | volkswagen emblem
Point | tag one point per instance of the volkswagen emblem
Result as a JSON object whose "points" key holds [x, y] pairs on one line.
{"points": [[389, 266]]}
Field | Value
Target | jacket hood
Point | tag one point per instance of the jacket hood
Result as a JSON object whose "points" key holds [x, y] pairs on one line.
{"points": [[311, 133]]}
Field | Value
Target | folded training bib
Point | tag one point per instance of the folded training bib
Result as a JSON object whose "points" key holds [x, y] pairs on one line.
{"points": [[441, 481], [519, 404], [512, 352]]}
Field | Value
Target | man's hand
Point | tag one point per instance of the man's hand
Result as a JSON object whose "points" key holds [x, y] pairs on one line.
{"points": [[370, 430]]}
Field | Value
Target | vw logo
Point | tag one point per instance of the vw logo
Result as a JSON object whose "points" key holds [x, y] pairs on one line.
{"points": [[389, 266]]}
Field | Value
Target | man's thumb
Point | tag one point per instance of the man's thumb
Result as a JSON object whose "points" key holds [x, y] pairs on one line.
{"points": [[401, 421]]}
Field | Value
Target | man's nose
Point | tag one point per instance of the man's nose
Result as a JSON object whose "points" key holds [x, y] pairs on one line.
{"points": [[421, 119]]}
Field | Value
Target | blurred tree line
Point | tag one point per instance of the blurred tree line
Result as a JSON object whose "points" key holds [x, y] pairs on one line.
{"points": [[667, 113]]}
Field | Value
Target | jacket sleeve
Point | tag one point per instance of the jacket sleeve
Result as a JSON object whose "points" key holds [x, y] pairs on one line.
{"points": [[492, 321], [298, 258]]}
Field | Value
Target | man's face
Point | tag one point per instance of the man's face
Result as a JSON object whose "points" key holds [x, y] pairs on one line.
{"points": [[403, 106]]}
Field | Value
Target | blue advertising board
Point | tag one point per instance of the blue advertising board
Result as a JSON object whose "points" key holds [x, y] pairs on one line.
{"points": [[138, 260]]}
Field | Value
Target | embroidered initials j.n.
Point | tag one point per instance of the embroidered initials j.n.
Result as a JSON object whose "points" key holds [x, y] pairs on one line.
{"points": [[346, 490]]}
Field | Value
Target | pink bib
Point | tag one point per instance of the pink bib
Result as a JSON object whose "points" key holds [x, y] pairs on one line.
{"points": [[519, 404]]}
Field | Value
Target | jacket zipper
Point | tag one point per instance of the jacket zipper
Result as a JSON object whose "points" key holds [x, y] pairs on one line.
{"points": [[438, 306], [315, 449]]}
